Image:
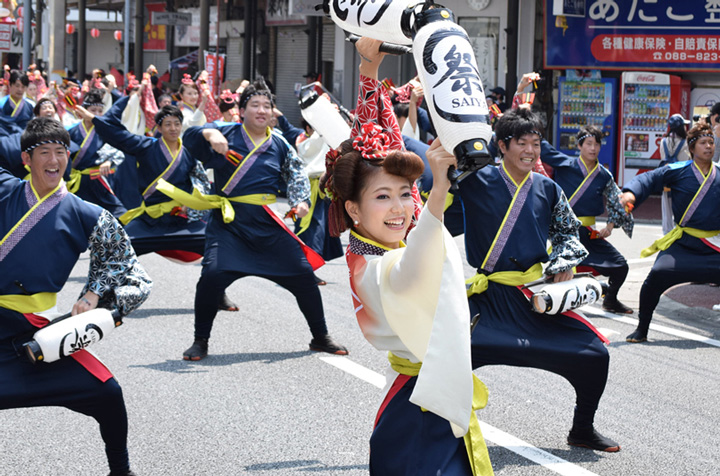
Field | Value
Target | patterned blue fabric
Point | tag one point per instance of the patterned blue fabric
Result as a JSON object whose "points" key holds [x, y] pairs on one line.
{"points": [[115, 273], [567, 251], [293, 173], [616, 212]]}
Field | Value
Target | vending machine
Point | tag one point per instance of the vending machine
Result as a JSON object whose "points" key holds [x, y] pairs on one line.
{"points": [[583, 103], [647, 101]]}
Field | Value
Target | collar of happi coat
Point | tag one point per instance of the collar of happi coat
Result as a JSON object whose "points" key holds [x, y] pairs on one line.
{"points": [[361, 246]]}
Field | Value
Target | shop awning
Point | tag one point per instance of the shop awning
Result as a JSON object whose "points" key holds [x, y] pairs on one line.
{"points": [[184, 61]]}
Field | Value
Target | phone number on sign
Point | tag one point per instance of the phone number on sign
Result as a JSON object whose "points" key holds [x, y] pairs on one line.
{"points": [[662, 49]]}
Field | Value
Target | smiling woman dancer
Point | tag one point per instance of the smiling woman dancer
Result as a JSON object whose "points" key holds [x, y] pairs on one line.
{"points": [[409, 300]]}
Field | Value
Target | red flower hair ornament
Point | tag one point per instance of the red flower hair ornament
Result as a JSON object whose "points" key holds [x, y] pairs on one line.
{"points": [[227, 96], [132, 81], [331, 159], [336, 217], [371, 143]]}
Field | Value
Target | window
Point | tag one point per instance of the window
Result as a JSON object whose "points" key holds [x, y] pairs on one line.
{"points": [[484, 33]]}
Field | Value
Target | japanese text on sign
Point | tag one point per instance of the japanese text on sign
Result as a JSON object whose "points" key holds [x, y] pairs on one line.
{"points": [[644, 34]]}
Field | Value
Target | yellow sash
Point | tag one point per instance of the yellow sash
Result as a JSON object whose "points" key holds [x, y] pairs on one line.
{"points": [[315, 195], [73, 185], [29, 303], [174, 158], [448, 199], [674, 235], [587, 221], [478, 284], [664, 243], [34, 302], [474, 440], [154, 211], [199, 201]]}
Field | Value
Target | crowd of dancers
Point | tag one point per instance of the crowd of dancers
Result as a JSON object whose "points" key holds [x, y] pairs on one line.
{"points": [[192, 177]]}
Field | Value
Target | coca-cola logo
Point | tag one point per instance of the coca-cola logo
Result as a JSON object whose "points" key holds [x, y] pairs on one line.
{"points": [[647, 78]]}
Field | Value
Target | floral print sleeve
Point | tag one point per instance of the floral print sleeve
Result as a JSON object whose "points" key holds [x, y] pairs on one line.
{"points": [[108, 152], [616, 212], [115, 273], [200, 181], [149, 107], [567, 251], [212, 110], [374, 106], [293, 173]]}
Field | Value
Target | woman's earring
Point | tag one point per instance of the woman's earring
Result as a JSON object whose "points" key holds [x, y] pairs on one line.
{"points": [[356, 223]]}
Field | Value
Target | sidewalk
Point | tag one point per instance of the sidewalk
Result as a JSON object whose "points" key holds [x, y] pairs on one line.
{"points": [[695, 295]]}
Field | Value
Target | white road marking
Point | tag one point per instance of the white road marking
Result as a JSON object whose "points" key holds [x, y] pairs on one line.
{"points": [[655, 327], [536, 455], [641, 260], [491, 433], [606, 332], [356, 370]]}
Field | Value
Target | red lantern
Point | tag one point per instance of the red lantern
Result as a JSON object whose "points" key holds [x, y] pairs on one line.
{"points": [[118, 35], [94, 32], [20, 24], [20, 11], [69, 28]]}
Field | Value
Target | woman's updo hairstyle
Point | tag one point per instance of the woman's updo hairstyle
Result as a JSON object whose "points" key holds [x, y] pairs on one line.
{"points": [[186, 83], [348, 173]]}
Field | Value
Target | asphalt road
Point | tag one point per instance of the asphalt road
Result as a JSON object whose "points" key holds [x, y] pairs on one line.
{"points": [[262, 404]]}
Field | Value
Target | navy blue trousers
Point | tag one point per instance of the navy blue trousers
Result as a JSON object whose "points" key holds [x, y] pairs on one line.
{"points": [[65, 383], [606, 260], [149, 235], [213, 282], [678, 264], [508, 332]]}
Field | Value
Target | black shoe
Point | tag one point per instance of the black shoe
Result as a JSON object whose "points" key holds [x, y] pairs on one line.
{"points": [[613, 305], [319, 281], [227, 305], [197, 351], [593, 440], [640, 335], [122, 473], [326, 344]]}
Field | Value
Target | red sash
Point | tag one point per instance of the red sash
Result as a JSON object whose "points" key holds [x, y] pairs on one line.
{"points": [[399, 383], [312, 256]]}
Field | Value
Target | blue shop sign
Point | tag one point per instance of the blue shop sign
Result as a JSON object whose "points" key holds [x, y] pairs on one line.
{"points": [[633, 34]]}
